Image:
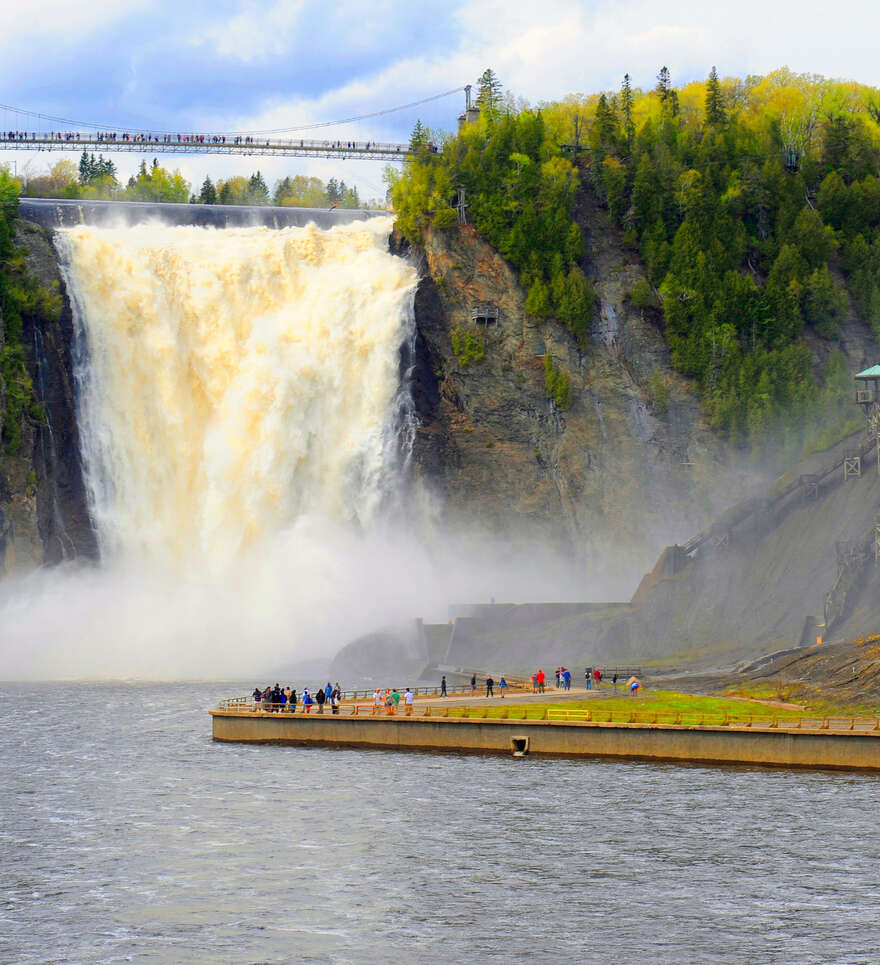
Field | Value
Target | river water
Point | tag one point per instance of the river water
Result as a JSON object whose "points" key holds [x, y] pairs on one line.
{"points": [[127, 835]]}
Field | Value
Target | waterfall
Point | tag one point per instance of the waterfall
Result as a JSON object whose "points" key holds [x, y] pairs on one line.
{"points": [[233, 382]]}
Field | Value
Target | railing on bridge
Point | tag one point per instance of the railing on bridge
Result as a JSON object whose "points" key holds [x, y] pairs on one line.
{"points": [[103, 142]]}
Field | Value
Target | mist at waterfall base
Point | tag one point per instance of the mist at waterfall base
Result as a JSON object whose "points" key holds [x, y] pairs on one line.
{"points": [[245, 431]]}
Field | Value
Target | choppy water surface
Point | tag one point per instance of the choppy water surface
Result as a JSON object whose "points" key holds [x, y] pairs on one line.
{"points": [[128, 835]]}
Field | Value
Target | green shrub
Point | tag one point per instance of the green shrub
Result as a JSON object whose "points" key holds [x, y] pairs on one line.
{"points": [[641, 295], [467, 346], [445, 218], [658, 393], [557, 384]]}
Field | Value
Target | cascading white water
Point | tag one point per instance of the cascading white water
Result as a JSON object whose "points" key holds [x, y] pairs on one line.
{"points": [[235, 381], [242, 417]]}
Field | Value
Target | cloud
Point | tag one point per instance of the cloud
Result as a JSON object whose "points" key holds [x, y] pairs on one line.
{"points": [[254, 64]]}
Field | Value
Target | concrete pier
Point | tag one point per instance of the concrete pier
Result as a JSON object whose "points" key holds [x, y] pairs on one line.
{"points": [[856, 749]]}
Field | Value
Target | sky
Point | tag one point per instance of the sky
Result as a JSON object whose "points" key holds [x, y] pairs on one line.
{"points": [[239, 65]]}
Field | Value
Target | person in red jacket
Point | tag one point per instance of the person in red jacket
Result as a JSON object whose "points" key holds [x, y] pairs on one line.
{"points": [[540, 678]]}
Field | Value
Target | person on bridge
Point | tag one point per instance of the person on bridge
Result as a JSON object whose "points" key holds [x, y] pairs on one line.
{"points": [[473, 684], [502, 685], [443, 687], [490, 685], [540, 679]]}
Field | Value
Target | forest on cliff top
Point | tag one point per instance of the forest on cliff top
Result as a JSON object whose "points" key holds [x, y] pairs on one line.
{"points": [[754, 205]]}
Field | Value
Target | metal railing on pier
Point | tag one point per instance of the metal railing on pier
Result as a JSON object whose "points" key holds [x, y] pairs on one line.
{"points": [[352, 696], [561, 715]]}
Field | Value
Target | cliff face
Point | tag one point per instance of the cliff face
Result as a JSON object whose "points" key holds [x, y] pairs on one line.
{"points": [[612, 474], [43, 512]]}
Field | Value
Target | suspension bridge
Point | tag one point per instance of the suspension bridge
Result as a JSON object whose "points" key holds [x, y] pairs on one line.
{"points": [[200, 144], [25, 130]]}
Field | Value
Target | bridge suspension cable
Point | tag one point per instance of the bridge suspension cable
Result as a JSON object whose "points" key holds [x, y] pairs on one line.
{"points": [[278, 130]]}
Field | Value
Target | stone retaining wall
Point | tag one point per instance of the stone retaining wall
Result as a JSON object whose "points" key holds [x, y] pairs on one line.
{"points": [[776, 747]]}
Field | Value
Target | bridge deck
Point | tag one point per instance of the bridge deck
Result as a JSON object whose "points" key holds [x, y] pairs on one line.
{"points": [[201, 144]]}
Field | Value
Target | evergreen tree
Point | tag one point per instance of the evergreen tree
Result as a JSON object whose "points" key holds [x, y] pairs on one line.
{"points": [[335, 190], [488, 93], [418, 139], [716, 113], [86, 168], [208, 194], [258, 191], [626, 108], [663, 84]]}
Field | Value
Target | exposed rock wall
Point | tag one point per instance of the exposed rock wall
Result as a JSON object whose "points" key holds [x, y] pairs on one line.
{"points": [[43, 512], [609, 475]]}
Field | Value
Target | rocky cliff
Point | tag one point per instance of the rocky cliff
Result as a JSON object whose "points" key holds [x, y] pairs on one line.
{"points": [[626, 469], [43, 513]]}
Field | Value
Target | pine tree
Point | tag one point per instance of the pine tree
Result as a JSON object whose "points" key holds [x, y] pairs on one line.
{"points": [[606, 128], [663, 86], [258, 191], [208, 194], [667, 93], [626, 106], [716, 114], [489, 93], [86, 168], [335, 191], [419, 137]]}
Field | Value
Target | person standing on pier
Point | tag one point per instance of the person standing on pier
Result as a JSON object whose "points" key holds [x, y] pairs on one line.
{"points": [[502, 685], [443, 687], [490, 684], [408, 702], [473, 684]]}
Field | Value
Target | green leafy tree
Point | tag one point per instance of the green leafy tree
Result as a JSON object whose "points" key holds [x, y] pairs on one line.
{"points": [[157, 184]]}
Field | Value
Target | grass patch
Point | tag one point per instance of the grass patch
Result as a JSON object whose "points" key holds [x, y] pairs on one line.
{"points": [[667, 706]]}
